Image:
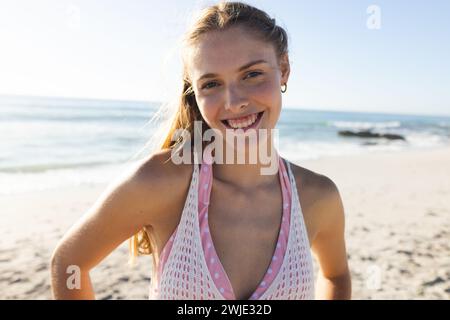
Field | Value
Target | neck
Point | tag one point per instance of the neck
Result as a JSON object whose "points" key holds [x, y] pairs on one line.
{"points": [[249, 175]]}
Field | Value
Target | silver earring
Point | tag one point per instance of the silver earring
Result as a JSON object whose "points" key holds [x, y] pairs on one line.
{"points": [[283, 90]]}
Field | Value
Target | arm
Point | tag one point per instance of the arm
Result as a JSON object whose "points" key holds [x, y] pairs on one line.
{"points": [[118, 214], [333, 280]]}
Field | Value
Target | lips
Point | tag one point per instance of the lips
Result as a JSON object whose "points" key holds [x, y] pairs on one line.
{"points": [[245, 122]]}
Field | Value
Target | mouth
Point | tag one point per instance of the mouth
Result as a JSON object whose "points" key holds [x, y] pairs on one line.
{"points": [[244, 123]]}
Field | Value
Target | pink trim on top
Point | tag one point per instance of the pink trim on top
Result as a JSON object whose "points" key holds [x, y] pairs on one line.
{"points": [[215, 267]]}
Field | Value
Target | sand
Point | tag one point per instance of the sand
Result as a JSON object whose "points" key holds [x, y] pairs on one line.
{"points": [[397, 208]]}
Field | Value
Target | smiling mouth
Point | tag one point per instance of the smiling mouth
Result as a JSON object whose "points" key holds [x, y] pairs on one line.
{"points": [[244, 123]]}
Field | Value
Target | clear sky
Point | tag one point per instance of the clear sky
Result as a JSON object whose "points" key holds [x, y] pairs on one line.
{"points": [[128, 50]]}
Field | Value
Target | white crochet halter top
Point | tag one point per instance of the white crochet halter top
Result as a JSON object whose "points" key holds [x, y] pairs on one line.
{"points": [[186, 275]]}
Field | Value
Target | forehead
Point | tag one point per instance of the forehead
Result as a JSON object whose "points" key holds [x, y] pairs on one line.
{"points": [[225, 51]]}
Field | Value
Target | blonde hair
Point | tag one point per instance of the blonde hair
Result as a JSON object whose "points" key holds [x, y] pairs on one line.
{"points": [[214, 18]]}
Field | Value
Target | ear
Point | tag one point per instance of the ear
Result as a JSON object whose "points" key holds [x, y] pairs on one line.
{"points": [[285, 69]]}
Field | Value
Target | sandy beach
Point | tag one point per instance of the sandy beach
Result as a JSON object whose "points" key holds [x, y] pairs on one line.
{"points": [[397, 230]]}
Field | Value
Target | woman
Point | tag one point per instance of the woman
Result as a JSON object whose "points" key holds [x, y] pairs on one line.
{"points": [[221, 230]]}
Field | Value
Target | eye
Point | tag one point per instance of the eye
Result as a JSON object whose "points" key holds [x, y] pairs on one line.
{"points": [[209, 85], [252, 74]]}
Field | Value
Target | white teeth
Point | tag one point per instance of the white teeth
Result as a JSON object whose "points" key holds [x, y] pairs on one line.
{"points": [[242, 124]]}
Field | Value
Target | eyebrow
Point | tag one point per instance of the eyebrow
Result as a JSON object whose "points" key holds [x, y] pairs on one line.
{"points": [[245, 66]]}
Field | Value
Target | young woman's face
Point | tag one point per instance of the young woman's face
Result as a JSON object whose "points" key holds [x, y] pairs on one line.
{"points": [[237, 80]]}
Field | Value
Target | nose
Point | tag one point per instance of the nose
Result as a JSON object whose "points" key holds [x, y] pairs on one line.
{"points": [[235, 100]]}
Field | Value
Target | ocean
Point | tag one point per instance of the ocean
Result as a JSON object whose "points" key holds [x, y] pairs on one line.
{"points": [[49, 143]]}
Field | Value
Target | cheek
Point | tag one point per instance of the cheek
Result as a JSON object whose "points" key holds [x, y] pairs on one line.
{"points": [[268, 94], [209, 107], [267, 91]]}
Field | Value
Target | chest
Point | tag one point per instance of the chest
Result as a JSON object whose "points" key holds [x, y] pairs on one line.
{"points": [[244, 228]]}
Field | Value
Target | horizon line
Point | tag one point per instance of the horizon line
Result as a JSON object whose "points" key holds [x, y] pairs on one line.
{"points": [[290, 107]]}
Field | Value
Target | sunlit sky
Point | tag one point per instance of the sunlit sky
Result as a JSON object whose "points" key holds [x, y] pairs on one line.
{"points": [[128, 50]]}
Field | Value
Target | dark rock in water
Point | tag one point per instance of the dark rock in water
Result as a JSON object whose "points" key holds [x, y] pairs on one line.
{"points": [[361, 134], [370, 134], [392, 136]]}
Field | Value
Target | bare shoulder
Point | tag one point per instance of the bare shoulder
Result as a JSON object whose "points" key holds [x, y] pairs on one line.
{"points": [[157, 183], [318, 186], [140, 196], [320, 199], [158, 170]]}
